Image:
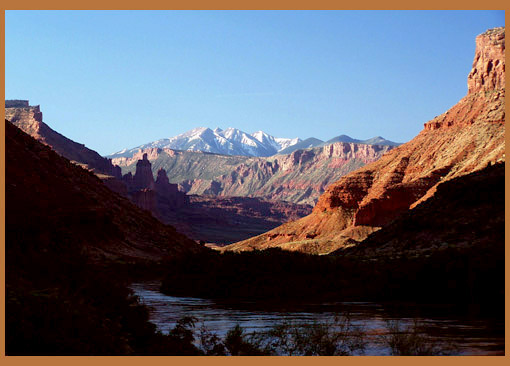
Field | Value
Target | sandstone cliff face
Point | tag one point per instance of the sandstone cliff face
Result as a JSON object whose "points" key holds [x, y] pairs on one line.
{"points": [[299, 177], [465, 212], [467, 138], [488, 71], [30, 119]]}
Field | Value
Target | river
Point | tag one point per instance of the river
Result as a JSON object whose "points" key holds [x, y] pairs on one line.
{"points": [[460, 335]]}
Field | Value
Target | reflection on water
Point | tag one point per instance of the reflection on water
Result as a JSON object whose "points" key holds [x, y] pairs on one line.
{"points": [[468, 337]]}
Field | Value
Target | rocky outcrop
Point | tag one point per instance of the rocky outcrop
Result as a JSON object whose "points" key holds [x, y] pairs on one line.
{"points": [[51, 202], [143, 178], [486, 86], [299, 177], [488, 71], [465, 139], [30, 119], [170, 191], [16, 103], [152, 195], [211, 219]]}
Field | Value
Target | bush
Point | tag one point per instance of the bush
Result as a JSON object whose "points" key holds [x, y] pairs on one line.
{"points": [[410, 341]]}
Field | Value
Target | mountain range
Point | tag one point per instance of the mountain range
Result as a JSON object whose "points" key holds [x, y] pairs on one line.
{"points": [[211, 219], [298, 177], [233, 141]]}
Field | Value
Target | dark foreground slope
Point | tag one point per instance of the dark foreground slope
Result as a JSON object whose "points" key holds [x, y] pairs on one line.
{"points": [[63, 227], [50, 200]]}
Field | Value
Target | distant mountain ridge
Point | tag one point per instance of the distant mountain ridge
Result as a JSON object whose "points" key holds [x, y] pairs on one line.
{"points": [[378, 140], [233, 141], [226, 142], [313, 142], [299, 177], [305, 144]]}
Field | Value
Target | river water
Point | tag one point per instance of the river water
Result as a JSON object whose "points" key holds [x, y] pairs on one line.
{"points": [[460, 336]]}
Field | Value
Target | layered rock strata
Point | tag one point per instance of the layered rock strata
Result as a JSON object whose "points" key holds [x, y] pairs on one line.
{"points": [[465, 139], [466, 212], [299, 177]]}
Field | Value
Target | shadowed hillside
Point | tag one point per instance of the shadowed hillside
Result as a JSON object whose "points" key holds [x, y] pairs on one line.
{"points": [[64, 232], [49, 199]]}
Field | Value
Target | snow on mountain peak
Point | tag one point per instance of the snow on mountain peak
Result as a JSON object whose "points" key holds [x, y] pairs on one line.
{"points": [[230, 141]]}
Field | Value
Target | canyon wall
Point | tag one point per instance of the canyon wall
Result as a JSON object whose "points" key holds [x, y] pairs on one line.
{"points": [[467, 138], [299, 177]]}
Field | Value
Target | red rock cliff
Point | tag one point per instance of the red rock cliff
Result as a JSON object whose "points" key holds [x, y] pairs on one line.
{"points": [[465, 139], [30, 120], [485, 100], [488, 72]]}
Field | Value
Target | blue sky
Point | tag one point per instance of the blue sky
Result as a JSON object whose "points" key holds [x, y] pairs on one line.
{"points": [[117, 79]]}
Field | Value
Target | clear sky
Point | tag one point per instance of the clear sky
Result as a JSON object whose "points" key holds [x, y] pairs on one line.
{"points": [[118, 79]]}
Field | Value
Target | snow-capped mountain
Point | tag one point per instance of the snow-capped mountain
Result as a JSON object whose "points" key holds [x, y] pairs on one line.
{"points": [[228, 142], [277, 143]]}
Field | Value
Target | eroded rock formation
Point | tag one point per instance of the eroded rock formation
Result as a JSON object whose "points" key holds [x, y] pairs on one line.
{"points": [[149, 194], [168, 190], [143, 178], [465, 139], [299, 177], [211, 219]]}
